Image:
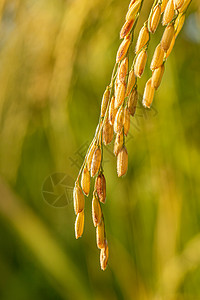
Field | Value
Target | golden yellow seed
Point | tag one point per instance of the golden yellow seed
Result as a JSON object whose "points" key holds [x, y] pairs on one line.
{"points": [[96, 211], [131, 82], [123, 48], [170, 47], [157, 76], [148, 94], [126, 121], [100, 234], [85, 181], [140, 63], [178, 4], [163, 5], [107, 132], [133, 10], [126, 28], [158, 57], [79, 224], [104, 102], [122, 72], [122, 162], [96, 162], [100, 186], [179, 24], [118, 144], [168, 13], [104, 256], [79, 200], [119, 120], [143, 38], [90, 156], [132, 102], [167, 37], [155, 18], [120, 94], [112, 111], [184, 6]]}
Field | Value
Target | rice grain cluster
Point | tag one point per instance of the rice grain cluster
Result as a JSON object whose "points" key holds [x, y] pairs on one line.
{"points": [[119, 103]]}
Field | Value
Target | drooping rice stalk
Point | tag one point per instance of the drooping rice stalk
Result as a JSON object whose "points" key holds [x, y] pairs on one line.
{"points": [[119, 103]]}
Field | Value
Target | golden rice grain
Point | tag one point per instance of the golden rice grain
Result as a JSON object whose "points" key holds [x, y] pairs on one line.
{"points": [[163, 5], [168, 13], [140, 63], [143, 38], [148, 94], [122, 162], [126, 29], [100, 235], [132, 102], [100, 186], [122, 72], [158, 57], [155, 18], [96, 162], [178, 3], [170, 47], [123, 48], [157, 76], [79, 200], [120, 94], [104, 102], [183, 8], [126, 121], [96, 211], [133, 10], [104, 256], [167, 37], [85, 181], [90, 155], [119, 120], [79, 224], [112, 111], [107, 132], [131, 82], [118, 144], [179, 24]]}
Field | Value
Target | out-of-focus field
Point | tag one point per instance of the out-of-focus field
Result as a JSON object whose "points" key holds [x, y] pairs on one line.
{"points": [[56, 57]]}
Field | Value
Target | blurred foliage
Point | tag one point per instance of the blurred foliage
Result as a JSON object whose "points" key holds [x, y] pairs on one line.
{"points": [[56, 57]]}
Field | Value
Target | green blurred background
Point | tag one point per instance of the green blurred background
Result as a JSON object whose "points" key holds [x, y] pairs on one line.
{"points": [[56, 57]]}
